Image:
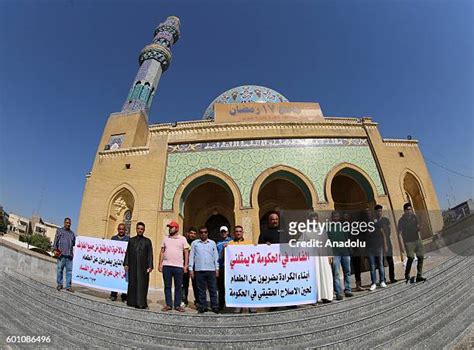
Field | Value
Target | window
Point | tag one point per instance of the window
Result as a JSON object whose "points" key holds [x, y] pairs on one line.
{"points": [[127, 220]]}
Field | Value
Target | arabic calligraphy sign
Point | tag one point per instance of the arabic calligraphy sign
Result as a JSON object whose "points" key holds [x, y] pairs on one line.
{"points": [[98, 263], [265, 143], [269, 275], [271, 112]]}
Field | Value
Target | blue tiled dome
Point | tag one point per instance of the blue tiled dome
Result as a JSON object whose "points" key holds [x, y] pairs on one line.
{"points": [[243, 94]]}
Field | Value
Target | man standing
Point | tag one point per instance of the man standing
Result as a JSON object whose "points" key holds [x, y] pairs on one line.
{"points": [[408, 229], [63, 246], [138, 263], [384, 224], [225, 239], [190, 236], [173, 264], [120, 236], [357, 253], [239, 239], [204, 266], [376, 247], [341, 256], [274, 235]]}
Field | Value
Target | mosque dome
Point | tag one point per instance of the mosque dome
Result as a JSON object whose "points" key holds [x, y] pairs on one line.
{"points": [[244, 94]]}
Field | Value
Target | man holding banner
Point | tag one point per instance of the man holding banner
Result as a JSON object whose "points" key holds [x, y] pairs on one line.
{"points": [[239, 240], [122, 237]]}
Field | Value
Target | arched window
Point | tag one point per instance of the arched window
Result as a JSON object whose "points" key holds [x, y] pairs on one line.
{"points": [[127, 220]]}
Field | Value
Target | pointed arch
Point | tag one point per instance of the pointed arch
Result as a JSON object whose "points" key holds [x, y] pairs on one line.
{"points": [[413, 192], [290, 174], [203, 176], [354, 172], [121, 207]]}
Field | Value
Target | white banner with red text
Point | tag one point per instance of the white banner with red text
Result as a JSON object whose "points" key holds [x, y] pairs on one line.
{"points": [[269, 276], [98, 263]]}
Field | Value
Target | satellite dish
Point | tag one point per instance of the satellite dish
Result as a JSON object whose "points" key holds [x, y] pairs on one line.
{"points": [[409, 137]]}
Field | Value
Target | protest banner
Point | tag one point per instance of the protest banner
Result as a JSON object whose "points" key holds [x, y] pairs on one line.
{"points": [[98, 263], [269, 275]]}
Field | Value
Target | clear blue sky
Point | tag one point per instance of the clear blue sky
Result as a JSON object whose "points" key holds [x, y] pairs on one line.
{"points": [[66, 65]]}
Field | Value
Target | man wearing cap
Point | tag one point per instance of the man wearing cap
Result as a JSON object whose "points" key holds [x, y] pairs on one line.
{"points": [[225, 239], [173, 264]]}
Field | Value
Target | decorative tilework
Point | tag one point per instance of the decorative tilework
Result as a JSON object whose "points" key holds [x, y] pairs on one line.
{"points": [[243, 94], [245, 165], [166, 34]]}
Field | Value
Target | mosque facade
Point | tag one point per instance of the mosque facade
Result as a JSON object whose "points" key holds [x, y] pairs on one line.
{"points": [[252, 152]]}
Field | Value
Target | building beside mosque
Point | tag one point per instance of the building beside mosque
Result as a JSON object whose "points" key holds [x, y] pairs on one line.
{"points": [[251, 151]]}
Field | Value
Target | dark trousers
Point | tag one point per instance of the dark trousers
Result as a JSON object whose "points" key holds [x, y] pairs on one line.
{"points": [[389, 257], [186, 279], [171, 273], [357, 265], [123, 295], [207, 280], [391, 267], [419, 267], [221, 287], [413, 248]]}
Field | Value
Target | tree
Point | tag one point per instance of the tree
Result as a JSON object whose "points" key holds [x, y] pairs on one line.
{"points": [[3, 220], [40, 241]]}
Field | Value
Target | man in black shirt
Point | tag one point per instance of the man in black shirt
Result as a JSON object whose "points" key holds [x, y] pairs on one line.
{"points": [[384, 224], [272, 234], [408, 229]]}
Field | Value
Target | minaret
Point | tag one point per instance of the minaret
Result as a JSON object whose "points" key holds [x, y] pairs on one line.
{"points": [[154, 59]]}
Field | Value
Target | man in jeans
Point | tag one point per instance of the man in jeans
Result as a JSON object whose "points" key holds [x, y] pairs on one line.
{"points": [[341, 256], [408, 229], [120, 236], [376, 247], [173, 264], [204, 266], [384, 222], [63, 246]]}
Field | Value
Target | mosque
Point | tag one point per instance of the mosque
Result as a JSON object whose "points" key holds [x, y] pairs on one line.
{"points": [[252, 151]]}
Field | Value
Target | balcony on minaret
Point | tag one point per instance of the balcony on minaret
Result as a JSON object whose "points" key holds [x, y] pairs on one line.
{"points": [[154, 59]]}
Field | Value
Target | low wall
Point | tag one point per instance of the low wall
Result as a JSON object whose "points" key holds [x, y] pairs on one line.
{"points": [[22, 260]]}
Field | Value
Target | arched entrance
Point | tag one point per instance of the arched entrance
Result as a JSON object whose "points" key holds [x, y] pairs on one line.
{"points": [[282, 190], [351, 191], [120, 211], [414, 195], [208, 201], [214, 223]]}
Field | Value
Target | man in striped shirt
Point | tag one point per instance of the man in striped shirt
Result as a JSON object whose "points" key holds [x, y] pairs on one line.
{"points": [[63, 245]]}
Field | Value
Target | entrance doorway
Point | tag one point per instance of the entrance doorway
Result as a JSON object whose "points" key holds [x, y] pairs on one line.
{"points": [[351, 192], [414, 195], [208, 201], [282, 191]]}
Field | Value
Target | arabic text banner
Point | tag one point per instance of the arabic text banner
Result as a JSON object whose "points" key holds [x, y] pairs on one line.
{"points": [[269, 275], [98, 263]]}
